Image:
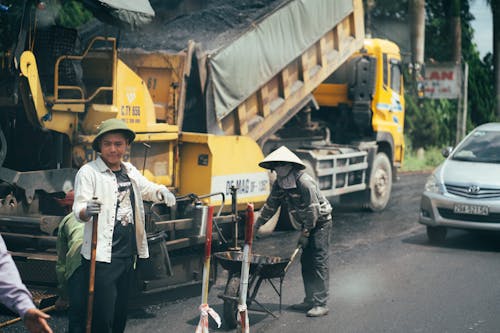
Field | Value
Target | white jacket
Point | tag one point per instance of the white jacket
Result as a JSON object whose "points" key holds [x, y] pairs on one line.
{"points": [[95, 179]]}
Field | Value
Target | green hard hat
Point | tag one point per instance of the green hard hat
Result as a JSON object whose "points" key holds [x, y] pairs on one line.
{"points": [[112, 125]]}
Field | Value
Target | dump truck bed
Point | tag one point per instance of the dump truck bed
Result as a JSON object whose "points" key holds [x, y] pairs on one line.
{"points": [[262, 79]]}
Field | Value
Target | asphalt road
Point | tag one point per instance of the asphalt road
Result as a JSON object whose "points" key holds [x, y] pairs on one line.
{"points": [[385, 277]]}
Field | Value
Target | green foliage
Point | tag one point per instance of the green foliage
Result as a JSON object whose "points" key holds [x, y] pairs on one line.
{"points": [[433, 122], [439, 47], [430, 122], [390, 10], [425, 159], [481, 90], [73, 14]]}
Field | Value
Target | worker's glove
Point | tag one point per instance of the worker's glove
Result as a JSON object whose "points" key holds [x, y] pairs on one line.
{"points": [[168, 197], [303, 239], [93, 208]]}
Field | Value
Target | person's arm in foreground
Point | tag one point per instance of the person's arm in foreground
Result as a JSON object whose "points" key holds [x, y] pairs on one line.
{"points": [[15, 295]]}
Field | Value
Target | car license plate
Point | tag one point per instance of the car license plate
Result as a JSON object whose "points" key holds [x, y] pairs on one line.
{"points": [[471, 209]]}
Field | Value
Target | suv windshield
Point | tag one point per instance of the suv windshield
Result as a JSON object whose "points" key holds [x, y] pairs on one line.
{"points": [[480, 146]]}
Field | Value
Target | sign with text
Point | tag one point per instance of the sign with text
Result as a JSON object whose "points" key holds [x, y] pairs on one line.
{"points": [[442, 80], [248, 184]]}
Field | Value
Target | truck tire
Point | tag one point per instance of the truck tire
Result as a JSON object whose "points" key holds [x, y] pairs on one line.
{"points": [[230, 313], [380, 183]]}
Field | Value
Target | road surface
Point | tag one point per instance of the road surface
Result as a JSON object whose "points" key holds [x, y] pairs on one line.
{"points": [[385, 277]]}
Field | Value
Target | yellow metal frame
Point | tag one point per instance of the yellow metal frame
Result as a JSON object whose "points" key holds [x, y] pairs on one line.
{"points": [[60, 121], [58, 87], [332, 94]]}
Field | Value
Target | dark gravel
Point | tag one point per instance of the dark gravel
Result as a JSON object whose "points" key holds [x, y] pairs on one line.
{"points": [[212, 23]]}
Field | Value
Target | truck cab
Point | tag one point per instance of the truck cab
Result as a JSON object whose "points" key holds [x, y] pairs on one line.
{"points": [[362, 104], [367, 92]]}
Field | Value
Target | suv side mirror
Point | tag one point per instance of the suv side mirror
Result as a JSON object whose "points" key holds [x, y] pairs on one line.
{"points": [[446, 151]]}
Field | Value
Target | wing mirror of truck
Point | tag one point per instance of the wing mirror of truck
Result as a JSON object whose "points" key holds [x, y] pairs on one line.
{"points": [[446, 151]]}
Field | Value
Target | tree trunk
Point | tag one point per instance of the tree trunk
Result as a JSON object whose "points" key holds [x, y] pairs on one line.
{"points": [[417, 30], [417, 37], [456, 34], [369, 4], [495, 8], [456, 31]]}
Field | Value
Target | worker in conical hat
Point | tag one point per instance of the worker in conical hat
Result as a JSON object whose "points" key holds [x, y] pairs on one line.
{"points": [[305, 202]]}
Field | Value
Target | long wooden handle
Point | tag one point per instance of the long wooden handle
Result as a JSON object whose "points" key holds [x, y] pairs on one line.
{"points": [[90, 303], [249, 224], [15, 320], [208, 251], [292, 258], [245, 270]]}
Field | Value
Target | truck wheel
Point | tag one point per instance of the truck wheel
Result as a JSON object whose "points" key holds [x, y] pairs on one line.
{"points": [[436, 235], [231, 307], [380, 183]]}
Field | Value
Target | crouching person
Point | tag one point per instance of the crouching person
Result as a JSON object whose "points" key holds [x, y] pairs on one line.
{"points": [[70, 275]]}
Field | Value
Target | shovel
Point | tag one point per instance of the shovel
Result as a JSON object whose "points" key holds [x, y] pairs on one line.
{"points": [[18, 319], [292, 258], [90, 303]]}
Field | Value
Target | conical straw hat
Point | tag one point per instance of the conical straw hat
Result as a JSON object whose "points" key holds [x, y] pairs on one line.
{"points": [[282, 154]]}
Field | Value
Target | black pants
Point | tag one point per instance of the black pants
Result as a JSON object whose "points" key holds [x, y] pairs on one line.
{"points": [[314, 261], [111, 288], [77, 295]]}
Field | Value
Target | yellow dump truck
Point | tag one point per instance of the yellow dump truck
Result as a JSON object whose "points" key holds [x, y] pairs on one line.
{"points": [[294, 73]]}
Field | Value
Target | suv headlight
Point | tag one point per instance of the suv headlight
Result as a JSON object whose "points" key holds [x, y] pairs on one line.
{"points": [[433, 185]]}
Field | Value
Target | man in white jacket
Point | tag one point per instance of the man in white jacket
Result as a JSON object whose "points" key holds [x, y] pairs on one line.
{"points": [[115, 190]]}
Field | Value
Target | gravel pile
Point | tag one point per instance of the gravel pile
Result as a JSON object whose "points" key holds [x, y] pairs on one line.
{"points": [[211, 23]]}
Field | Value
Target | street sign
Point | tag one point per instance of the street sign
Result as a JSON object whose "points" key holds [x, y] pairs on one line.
{"points": [[442, 80]]}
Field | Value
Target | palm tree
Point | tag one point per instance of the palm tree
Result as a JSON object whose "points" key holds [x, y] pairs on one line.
{"points": [[416, 9], [456, 30], [456, 33]]}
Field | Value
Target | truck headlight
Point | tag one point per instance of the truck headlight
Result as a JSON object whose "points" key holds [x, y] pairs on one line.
{"points": [[433, 185]]}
